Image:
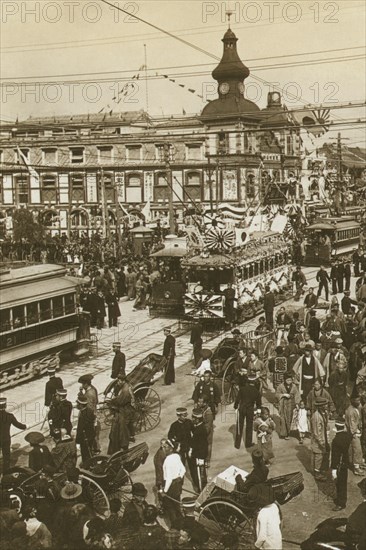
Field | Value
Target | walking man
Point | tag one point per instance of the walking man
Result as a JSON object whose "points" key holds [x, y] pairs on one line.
{"points": [[340, 462], [85, 431], [6, 421], [268, 306], [334, 277], [198, 452], [248, 396], [319, 439], [180, 432], [53, 384], [323, 279], [169, 354], [90, 392], [119, 361], [60, 413]]}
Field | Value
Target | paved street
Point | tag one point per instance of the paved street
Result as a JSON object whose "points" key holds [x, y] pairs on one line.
{"points": [[140, 335]]}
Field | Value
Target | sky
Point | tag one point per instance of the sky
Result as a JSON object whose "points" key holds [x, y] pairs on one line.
{"points": [[56, 55]]}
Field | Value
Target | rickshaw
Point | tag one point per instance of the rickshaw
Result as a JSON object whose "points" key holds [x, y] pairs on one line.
{"points": [[222, 509], [147, 401]]}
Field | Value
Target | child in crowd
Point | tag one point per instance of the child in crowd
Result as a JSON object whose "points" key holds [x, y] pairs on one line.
{"points": [[264, 426], [300, 421]]}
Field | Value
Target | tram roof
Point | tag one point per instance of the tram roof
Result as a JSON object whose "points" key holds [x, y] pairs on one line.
{"points": [[334, 224], [21, 275], [211, 261], [34, 291]]}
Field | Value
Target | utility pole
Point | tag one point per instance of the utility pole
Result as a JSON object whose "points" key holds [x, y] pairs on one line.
{"points": [[105, 217], [167, 158], [118, 217], [209, 172], [338, 199]]}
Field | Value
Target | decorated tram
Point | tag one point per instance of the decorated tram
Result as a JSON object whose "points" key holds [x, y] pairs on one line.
{"points": [[331, 238], [39, 321], [245, 265]]}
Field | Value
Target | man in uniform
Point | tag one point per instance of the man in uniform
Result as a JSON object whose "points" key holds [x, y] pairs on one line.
{"points": [[169, 354], [119, 361], [319, 439], [85, 431], [60, 413], [248, 396], [208, 420], [6, 421], [208, 389], [181, 432], [340, 463], [90, 393], [198, 452], [54, 383]]}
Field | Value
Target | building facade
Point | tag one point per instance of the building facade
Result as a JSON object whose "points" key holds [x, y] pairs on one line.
{"points": [[75, 172]]}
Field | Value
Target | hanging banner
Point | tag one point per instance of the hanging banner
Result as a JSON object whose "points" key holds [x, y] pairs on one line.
{"points": [[91, 187], [148, 186], [229, 185], [119, 178]]}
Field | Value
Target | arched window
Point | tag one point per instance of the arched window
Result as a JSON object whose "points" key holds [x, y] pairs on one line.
{"points": [[79, 218]]}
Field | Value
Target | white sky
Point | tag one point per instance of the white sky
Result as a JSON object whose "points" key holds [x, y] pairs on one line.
{"points": [[115, 42]]}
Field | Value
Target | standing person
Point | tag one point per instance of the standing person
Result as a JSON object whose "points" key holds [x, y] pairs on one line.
{"points": [[319, 391], [314, 327], [159, 458], [60, 413], [85, 431], [131, 278], [196, 341], [353, 425], [264, 427], [269, 518], [347, 274], [119, 361], [6, 421], [307, 368], [133, 515], [323, 279], [40, 455], [140, 302], [268, 306], [208, 389], [113, 308], [319, 439], [122, 404], [100, 310], [288, 397], [181, 432], [169, 354], [347, 303], [338, 383], [300, 421], [340, 275], [174, 472], [198, 452], [334, 277], [340, 462], [298, 277], [90, 392], [310, 302], [248, 396], [283, 321], [53, 384], [229, 304], [208, 420]]}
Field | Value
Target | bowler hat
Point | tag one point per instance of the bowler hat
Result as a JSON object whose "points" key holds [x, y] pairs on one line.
{"points": [[70, 491], [34, 438], [139, 490], [85, 379], [308, 347]]}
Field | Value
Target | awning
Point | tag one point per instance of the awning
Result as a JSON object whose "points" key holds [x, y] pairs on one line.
{"points": [[38, 290]]}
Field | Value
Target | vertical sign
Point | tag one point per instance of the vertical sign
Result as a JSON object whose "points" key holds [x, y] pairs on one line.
{"points": [[119, 178], [91, 187], [63, 182], [229, 185], [148, 186]]}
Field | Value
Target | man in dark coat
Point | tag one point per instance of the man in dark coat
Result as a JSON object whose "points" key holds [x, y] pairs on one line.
{"points": [[298, 277], [208, 389], [122, 429], [60, 413], [347, 303], [340, 276], [113, 308], [198, 452], [340, 463], [268, 306], [119, 361], [40, 455], [334, 277], [85, 431], [54, 383], [181, 432], [347, 274], [6, 421], [196, 341], [314, 326], [229, 303], [323, 278], [169, 354], [133, 515], [248, 396]]}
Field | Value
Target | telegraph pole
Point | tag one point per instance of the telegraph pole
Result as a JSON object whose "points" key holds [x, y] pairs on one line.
{"points": [[167, 158], [118, 217], [338, 194], [105, 217]]}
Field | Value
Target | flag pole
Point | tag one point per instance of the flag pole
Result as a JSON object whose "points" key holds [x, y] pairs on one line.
{"points": [[146, 84]]}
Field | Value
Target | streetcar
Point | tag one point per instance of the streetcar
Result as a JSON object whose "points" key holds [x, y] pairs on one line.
{"points": [[262, 260], [39, 322], [331, 238]]}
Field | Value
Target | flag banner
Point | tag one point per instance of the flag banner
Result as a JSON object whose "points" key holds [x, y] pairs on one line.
{"points": [[148, 186], [34, 178], [229, 185]]}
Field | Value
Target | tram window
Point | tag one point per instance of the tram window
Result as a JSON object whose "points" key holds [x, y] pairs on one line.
{"points": [[32, 313], [58, 306], [18, 317], [45, 307], [69, 304], [5, 323]]}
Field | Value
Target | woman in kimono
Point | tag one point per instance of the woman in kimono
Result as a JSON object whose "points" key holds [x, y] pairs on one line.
{"points": [[288, 397]]}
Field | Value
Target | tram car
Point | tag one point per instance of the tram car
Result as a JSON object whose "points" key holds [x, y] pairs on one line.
{"points": [[167, 288], [39, 321], [263, 260], [331, 238]]}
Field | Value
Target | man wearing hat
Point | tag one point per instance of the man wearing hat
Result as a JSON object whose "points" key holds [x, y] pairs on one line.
{"points": [[6, 421], [319, 439], [198, 535], [208, 389], [40, 454], [52, 385], [307, 368], [181, 432], [60, 412], [133, 515], [64, 455], [198, 452], [288, 398], [337, 352], [119, 361], [122, 429], [174, 472], [347, 303], [248, 396], [90, 393], [340, 462], [169, 354], [353, 423], [85, 431]]}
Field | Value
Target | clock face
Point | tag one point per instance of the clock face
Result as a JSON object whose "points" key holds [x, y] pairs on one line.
{"points": [[241, 88], [224, 88]]}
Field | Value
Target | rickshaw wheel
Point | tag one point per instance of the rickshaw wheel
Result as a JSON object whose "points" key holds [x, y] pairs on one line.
{"points": [[229, 388], [95, 496], [219, 517], [268, 350], [148, 408]]}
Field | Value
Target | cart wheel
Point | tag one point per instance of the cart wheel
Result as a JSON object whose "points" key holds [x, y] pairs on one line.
{"points": [[268, 349], [148, 408], [220, 517], [229, 388], [95, 496], [121, 488]]}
